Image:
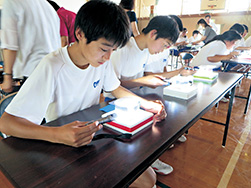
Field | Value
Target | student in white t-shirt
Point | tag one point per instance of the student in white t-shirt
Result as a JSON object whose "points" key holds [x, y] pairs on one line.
{"points": [[30, 30], [196, 35], [240, 45], [217, 50], [71, 79], [183, 39], [130, 61], [210, 22]]}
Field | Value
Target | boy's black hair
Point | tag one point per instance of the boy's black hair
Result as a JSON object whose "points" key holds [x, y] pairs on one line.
{"points": [[238, 27], [127, 4], [195, 32], [202, 21], [98, 19], [230, 35], [178, 20], [54, 5], [208, 15], [245, 26], [166, 27]]}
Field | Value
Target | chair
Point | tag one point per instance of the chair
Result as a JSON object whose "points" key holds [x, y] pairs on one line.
{"points": [[4, 102]]}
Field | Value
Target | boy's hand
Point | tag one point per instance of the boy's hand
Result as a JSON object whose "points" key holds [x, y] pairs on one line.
{"points": [[76, 134], [233, 54], [153, 81], [156, 107], [7, 84], [187, 71]]}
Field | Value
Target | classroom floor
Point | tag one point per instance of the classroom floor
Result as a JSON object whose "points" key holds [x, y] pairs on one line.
{"points": [[201, 162]]}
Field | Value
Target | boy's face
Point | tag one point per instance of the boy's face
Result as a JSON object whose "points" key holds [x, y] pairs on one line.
{"points": [[207, 19], [159, 45], [97, 52]]}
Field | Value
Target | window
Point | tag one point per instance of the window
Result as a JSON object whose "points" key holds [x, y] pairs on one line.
{"points": [[166, 7], [237, 5], [183, 7], [191, 7]]}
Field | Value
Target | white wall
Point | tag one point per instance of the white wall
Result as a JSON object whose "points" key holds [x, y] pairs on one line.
{"points": [[72, 5], [1, 3]]}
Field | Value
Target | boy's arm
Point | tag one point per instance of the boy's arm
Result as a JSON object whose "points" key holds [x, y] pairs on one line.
{"points": [[171, 74], [74, 134], [9, 57], [218, 58], [156, 107], [166, 74], [242, 48], [198, 41], [149, 81]]}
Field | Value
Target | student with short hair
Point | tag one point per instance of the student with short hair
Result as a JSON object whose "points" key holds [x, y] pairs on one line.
{"points": [[183, 39], [240, 28], [129, 62], [196, 35], [71, 79]]}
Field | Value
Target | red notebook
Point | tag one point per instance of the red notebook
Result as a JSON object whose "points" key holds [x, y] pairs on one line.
{"points": [[140, 120]]}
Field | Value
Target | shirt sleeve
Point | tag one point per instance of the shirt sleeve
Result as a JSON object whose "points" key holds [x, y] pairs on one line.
{"points": [[34, 97], [9, 26], [111, 81]]}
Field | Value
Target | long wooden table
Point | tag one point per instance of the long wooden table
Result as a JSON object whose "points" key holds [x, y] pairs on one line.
{"points": [[106, 162]]}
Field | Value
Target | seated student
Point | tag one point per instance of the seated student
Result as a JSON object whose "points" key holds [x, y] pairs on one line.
{"points": [[182, 40], [209, 33], [71, 78], [217, 50], [240, 28], [195, 37], [158, 63], [129, 62]]}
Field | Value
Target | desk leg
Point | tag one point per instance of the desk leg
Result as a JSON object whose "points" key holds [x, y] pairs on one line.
{"points": [[228, 116], [248, 100]]}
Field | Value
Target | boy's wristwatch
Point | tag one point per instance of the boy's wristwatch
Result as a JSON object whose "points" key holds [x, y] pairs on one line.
{"points": [[5, 73]]}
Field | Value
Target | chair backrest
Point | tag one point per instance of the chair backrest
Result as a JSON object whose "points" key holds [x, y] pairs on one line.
{"points": [[4, 102]]}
